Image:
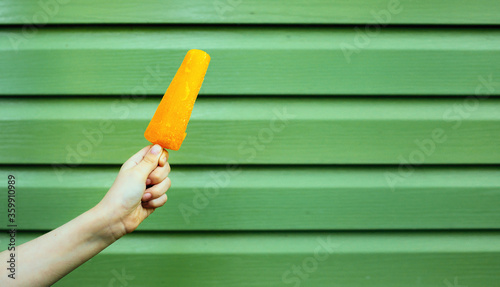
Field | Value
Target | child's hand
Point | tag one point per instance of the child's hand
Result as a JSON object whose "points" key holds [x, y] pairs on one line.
{"points": [[139, 188]]}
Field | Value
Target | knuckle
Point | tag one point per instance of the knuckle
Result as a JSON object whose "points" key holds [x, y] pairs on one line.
{"points": [[155, 177], [149, 159], [158, 193], [164, 200]]}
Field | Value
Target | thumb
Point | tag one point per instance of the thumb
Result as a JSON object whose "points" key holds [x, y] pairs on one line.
{"points": [[150, 161]]}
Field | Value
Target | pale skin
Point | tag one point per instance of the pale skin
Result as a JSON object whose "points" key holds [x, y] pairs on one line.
{"points": [[138, 190]]}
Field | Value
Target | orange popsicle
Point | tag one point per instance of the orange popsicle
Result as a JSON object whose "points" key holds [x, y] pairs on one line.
{"points": [[168, 125]]}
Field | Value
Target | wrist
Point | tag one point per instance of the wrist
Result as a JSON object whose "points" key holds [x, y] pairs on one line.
{"points": [[112, 227]]}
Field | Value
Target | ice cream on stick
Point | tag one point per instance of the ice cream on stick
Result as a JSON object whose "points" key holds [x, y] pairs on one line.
{"points": [[168, 125]]}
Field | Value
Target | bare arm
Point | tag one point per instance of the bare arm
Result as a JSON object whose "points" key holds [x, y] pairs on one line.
{"points": [[129, 201]]}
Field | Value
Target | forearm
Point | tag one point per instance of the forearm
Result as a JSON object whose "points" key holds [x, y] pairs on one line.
{"points": [[138, 190], [48, 258]]}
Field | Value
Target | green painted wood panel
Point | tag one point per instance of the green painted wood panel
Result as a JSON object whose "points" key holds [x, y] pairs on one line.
{"points": [[252, 60], [372, 258], [249, 130], [251, 11], [276, 198]]}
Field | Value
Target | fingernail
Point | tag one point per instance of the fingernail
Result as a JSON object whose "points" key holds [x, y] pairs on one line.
{"points": [[148, 181], [156, 149]]}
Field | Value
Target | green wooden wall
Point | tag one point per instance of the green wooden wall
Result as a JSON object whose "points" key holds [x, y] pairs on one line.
{"points": [[334, 143]]}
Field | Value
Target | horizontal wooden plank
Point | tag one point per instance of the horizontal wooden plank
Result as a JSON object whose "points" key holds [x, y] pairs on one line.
{"points": [[268, 259], [248, 130], [275, 198], [251, 11], [252, 60]]}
